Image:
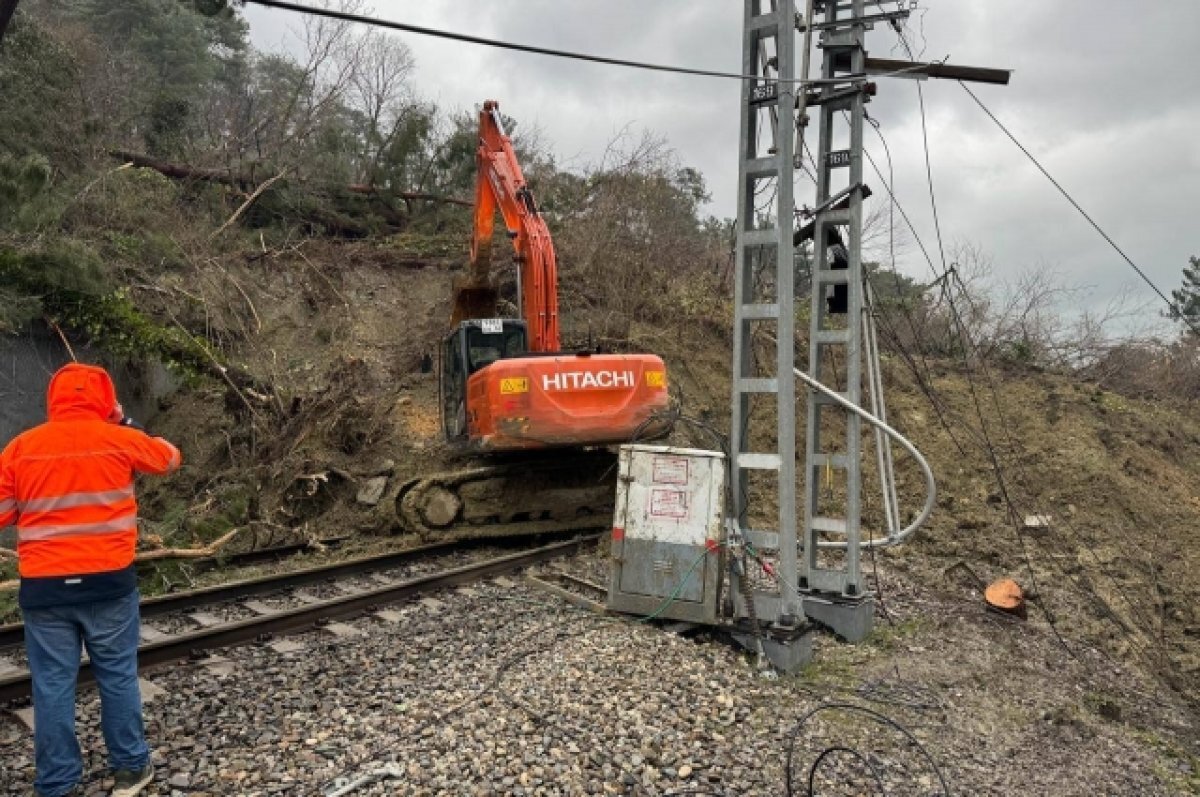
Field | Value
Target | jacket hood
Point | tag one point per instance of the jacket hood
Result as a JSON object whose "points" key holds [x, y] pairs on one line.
{"points": [[80, 392]]}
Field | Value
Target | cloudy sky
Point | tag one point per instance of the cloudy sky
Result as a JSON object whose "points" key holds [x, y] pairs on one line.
{"points": [[1104, 93]]}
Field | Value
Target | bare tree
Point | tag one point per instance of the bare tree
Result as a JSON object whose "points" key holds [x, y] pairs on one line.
{"points": [[379, 90]]}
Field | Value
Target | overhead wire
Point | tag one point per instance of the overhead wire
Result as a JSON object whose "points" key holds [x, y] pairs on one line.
{"points": [[1005, 426], [1175, 311], [922, 374], [362, 19]]}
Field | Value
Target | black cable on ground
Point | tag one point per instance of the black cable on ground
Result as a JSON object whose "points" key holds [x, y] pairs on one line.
{"points": [[882, 719], [866, 762]]}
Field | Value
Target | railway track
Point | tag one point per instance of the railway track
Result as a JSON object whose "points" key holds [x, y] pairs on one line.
{"points": [[261, 608]]}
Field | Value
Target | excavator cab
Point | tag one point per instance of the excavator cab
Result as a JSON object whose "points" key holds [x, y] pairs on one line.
{"points": [[472, 346]]}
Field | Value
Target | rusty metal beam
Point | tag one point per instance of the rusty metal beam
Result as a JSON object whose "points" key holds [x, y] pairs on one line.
{"points": [[971, 74]]}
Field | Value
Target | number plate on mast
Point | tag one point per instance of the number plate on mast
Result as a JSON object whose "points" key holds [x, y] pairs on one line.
{"points": [[839, 157], [492, 326]]}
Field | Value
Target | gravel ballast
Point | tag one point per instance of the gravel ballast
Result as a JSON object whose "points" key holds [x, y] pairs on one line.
{"points": [[499, 688]]}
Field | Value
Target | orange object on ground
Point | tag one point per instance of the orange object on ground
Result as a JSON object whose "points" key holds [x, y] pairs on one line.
{"points": [[1005, 595], [68, 483]]}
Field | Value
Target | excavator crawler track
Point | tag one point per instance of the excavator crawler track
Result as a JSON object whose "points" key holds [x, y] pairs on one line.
{"points": [[569, 491]]}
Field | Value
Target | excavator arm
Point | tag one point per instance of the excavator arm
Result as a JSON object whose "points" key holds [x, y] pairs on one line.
{"points": [[500, 186]]}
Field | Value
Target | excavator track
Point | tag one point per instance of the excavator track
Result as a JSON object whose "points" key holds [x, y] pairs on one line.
{"points": [[567, 491]]}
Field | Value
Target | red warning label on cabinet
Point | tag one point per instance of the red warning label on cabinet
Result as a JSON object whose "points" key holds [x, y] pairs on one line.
{"points": [[670, 470], [668, 503]]}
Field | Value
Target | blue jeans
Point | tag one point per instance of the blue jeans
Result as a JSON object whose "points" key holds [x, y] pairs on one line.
{"points": [[53, 635]]}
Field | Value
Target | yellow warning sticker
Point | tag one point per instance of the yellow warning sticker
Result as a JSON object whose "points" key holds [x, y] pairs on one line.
{"points": [[515, 384], [656, 379]]}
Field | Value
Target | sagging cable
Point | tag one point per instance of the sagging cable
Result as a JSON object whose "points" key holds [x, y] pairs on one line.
{"points": [[894, 537]]}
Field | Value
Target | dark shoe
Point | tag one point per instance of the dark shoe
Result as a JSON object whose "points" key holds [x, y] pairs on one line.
{"points": [[130, 782]]}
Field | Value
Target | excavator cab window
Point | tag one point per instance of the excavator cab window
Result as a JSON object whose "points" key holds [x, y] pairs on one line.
{"points": [[485, 347], [472, 347]]}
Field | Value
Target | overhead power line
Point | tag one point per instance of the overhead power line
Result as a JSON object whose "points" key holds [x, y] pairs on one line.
{"points": [[1175, 313], [405, 27], [505, 45]]}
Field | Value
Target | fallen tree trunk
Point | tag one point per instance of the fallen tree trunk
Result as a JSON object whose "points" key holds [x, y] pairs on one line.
{"points": [[407, 196], [184, 171]]}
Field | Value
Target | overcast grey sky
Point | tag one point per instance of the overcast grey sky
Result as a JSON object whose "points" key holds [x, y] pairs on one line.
{"points": [[1104, 93]]}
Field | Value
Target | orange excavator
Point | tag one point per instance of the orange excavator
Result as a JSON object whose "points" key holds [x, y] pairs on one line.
{"points": [[505, 385]]}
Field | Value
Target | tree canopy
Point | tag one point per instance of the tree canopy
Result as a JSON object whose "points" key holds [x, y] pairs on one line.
{"points": [[1187, 298]]}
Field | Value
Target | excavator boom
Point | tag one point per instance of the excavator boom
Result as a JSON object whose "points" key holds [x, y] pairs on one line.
{"points": [[500, 186]]}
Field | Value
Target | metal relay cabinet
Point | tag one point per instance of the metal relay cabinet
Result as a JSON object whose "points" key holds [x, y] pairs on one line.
{"points": [[667, 530]]}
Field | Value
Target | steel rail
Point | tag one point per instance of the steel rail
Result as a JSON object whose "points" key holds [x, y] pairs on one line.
{"points": [[158, 605], [183, 646]]}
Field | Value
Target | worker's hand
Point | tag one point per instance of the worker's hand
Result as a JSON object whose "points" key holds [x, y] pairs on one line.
{"points": [[117, 415]]}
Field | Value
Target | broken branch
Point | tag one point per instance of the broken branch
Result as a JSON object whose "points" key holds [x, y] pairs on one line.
{"points": [[237, 214], [188, 553], [203, 552]]}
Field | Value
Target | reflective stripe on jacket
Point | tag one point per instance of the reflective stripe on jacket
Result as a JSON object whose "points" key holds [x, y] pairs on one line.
{"points": [[68, 484]]}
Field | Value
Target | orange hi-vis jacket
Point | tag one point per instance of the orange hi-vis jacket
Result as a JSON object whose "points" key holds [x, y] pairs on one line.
{"points": [[68, 486]]}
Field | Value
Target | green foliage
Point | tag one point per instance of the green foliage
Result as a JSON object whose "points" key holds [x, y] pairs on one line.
{"points": [[137, 202], [1021, 352], [22, 178], [65, 268], [68, 284], [453, 163], [82, 74], [40, 111], [1187, 298], [114, 323], [401, 161], [23, 184], [173, 53], [893, 289], [29, 279]]}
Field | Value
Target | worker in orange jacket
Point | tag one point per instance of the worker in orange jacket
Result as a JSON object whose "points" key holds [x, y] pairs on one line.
{"points": [[68, 486]]}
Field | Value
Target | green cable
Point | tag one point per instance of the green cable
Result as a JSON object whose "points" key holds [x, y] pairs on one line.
{"points": [[678, 588]]}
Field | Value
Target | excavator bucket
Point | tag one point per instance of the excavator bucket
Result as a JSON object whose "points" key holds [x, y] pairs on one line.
{"points": [[473, 300]]}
